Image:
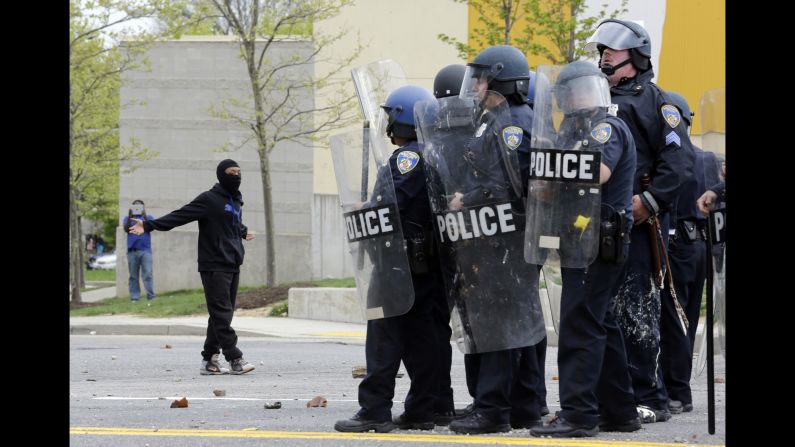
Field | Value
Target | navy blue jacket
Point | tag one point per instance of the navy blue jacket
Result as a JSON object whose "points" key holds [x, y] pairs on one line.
{"points": [[664, 148], [411, 194]]}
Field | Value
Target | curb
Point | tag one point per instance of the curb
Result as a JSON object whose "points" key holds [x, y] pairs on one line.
{"points": [[142, 329]]}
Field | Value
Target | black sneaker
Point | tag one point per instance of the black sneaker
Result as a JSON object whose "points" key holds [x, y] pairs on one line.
{"points": [[476, 424], [212, 367], [444, 418], [357, 424], [650, 415], [561, 428], [677, 406], [240, 366], [528, 423], [544, 410], [461, 413], [404, 423], [621, 426]]}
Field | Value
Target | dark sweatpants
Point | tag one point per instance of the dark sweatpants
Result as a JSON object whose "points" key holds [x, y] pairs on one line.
{"points": [[220, 292]]}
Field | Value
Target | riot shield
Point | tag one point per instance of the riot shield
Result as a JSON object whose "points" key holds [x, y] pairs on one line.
{"points": [[564, 194], [469, 149], [713, 139], [373, 83], [372, 230]]}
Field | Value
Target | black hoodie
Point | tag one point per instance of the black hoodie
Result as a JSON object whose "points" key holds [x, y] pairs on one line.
{"points": [[221, 228]]}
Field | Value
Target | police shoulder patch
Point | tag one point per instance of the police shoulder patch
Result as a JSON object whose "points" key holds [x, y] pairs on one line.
{"points": [[602, 132], [512, 136], [671, 115], [407, 160]]}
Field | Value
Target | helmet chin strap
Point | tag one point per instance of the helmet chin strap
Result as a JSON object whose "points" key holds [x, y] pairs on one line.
{"points": [[609, 70]]}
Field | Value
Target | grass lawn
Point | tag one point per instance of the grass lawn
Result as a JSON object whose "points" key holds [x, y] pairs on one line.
{"points": [[100, 275], [190, 302]]}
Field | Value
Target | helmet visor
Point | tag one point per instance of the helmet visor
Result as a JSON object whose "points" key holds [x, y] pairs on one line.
{"points": [[476, 80], [613, 35], [584, 92]]}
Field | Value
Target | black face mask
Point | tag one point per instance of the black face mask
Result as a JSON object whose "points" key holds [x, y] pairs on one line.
{"points": [[230, 182]]}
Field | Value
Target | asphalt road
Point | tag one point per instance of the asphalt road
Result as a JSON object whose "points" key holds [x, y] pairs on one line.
{"points": [[121, 389]]}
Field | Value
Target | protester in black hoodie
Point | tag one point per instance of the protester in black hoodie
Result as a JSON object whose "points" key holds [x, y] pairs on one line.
{"points": [[219, 212]]}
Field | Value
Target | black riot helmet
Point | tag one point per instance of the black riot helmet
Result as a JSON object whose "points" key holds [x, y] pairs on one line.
{"points": [[505, 70], [681, 103], [448, 81], [622, 35], [581, 87]]}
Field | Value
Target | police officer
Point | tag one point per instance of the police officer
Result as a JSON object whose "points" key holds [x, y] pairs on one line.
{"points": [[404, 337], [589, 335], [446, 83], [664, 154], [508, 385], [687, 250]]}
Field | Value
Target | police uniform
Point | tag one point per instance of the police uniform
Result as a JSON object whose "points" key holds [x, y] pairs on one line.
{"points": [[665, 153], [405, 337], [589, 335], [530, 384], [687, 251], [504, 383]]}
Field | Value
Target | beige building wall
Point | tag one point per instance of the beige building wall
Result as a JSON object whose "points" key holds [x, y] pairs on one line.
{"points": [[404, 31]]}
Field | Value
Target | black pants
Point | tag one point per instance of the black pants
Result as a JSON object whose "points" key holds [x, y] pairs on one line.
{"points": [[220, 292], [412, 338], [444, 355], [637, 309], [689, 268], [594, 377], [505, 384]]}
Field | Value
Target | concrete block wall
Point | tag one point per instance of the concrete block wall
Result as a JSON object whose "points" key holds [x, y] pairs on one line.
{"points": [[167, 110]]}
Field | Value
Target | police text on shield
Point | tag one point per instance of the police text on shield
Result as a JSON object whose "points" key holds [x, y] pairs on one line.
{"points": [[370, 222], [566, 166], [475, 222]]}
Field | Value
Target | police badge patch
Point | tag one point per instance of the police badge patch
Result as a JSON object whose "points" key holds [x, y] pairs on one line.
{"points": [[512, 136], [407, 160], [602, 132], [671, 115]]}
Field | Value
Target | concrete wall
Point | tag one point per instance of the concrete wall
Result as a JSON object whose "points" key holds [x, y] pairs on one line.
{"points": [[330, 257], [187, 77]]}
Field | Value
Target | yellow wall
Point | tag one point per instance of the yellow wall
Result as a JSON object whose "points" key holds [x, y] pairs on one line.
{"points": [[693, 56], [516, 30], [692, 52]]}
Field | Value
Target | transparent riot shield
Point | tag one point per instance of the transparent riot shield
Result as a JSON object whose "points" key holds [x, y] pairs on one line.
{"points": [[475, 195], [373, 83], [564, 194], [372, 229], [713, 139]]}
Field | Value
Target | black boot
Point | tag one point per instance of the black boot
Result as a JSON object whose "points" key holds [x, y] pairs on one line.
{"points": [[476, 424], [561, 428], [358, 424]]}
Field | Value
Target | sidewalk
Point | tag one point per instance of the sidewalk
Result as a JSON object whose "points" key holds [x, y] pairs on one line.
{"points": [[197, 325], [97, 291]]}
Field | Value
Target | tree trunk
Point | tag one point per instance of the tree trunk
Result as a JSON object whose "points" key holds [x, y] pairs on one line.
{"points": [[76, 270], [267, 202], [507, 9]]}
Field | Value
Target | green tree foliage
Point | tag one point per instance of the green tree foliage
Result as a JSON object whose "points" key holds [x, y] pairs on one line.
{"points": [[559, 21], [106, 38]]}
